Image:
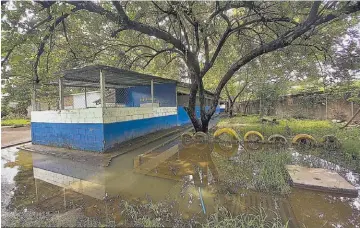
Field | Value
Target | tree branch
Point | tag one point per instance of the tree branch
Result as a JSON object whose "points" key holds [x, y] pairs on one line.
{"points": [[284, 40], [24, 38], [123, 18], [228, 5], [45, 38], [67, 39], [242, 90]]}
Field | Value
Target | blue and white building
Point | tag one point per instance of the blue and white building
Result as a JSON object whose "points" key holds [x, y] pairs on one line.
{"points": [[140, 104]]}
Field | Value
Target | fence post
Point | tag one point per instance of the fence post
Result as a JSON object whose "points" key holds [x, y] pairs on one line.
{"points": [[61, 94], [260, 107], [85, 97], [352, 108], [102, 89], [326, 107]]}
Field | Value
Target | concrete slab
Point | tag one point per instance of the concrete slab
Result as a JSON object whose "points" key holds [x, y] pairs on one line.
{"points": [[320, 180], [146, 143]]}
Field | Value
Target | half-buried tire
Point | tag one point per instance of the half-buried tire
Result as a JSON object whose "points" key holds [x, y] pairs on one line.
{"points": [[187, 139]]}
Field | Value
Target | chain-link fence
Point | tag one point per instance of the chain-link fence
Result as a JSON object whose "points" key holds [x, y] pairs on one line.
{"points": [[82, 88], [48, 97]]}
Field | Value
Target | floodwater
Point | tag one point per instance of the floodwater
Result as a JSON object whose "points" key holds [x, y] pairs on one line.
{"points": [[192, 182]]}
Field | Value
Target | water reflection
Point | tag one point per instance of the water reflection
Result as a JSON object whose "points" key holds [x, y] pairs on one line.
{"points": [[191, 178], [67, 174]]}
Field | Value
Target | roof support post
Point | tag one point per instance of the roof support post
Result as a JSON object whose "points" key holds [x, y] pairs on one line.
{"points": [[102, 89], [61, 94], [85, 98], [152, 93], [176, 96]]}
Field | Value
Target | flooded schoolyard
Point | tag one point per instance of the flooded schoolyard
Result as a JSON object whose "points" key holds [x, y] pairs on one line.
{"points": [[175, 185]]}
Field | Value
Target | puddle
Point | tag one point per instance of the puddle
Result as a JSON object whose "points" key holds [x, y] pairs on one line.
{"points": [[179, 185]]}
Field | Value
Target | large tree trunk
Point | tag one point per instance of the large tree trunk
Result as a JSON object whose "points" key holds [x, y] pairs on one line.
{"points": [[197, 87], [203, 123], [191, 108]]}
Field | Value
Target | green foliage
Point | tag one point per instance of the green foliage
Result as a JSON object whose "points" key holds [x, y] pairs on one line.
{"points": [[85, 38], [15, 122]]}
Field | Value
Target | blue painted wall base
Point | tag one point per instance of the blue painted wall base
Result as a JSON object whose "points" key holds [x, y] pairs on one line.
{"points": [[96, 137], [183, 117], [115, 133], [100, 137], [81, 136]]}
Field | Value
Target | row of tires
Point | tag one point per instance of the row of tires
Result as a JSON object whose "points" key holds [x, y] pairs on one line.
{"points": [[229, 135]]}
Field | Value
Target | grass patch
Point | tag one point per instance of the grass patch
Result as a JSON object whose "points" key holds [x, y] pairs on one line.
{"points": [[15, 122], [349, 153], [162, 215], [271, 172], [225, 219], [262, 170]]}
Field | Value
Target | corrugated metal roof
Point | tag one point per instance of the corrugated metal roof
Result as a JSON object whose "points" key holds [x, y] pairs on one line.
{"points": [[89, 76]]}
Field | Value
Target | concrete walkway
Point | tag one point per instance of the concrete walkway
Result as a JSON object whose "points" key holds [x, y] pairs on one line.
{"points": [[14, 136]]}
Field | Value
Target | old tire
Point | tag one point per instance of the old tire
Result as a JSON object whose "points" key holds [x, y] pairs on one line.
{"points": [[225, 149], [229, 132], [253, 136], [277, 139], [187, 139], [304, 140], [200, 137], [330, 142]]}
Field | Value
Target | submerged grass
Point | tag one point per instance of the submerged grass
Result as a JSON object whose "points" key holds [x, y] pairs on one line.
{"points": [[349, 154], [262, 170], [272, 175], [162, 215], [139, 214], [260, 219]]}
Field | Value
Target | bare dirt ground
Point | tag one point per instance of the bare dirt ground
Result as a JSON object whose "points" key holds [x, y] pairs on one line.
{"points": [[14, 136]]}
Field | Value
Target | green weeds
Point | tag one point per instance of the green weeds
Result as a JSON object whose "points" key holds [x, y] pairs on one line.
{"points": [[348, 155], [261, 170], [271, 173], [225, 219], [15, 122], [153, 215]]}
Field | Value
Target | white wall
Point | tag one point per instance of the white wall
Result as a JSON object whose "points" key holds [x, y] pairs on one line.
{"points": [[86, 115], [101, 115], [112, 115]]}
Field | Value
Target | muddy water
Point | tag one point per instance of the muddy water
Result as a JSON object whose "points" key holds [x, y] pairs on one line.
{"points": [[192, 179]]}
